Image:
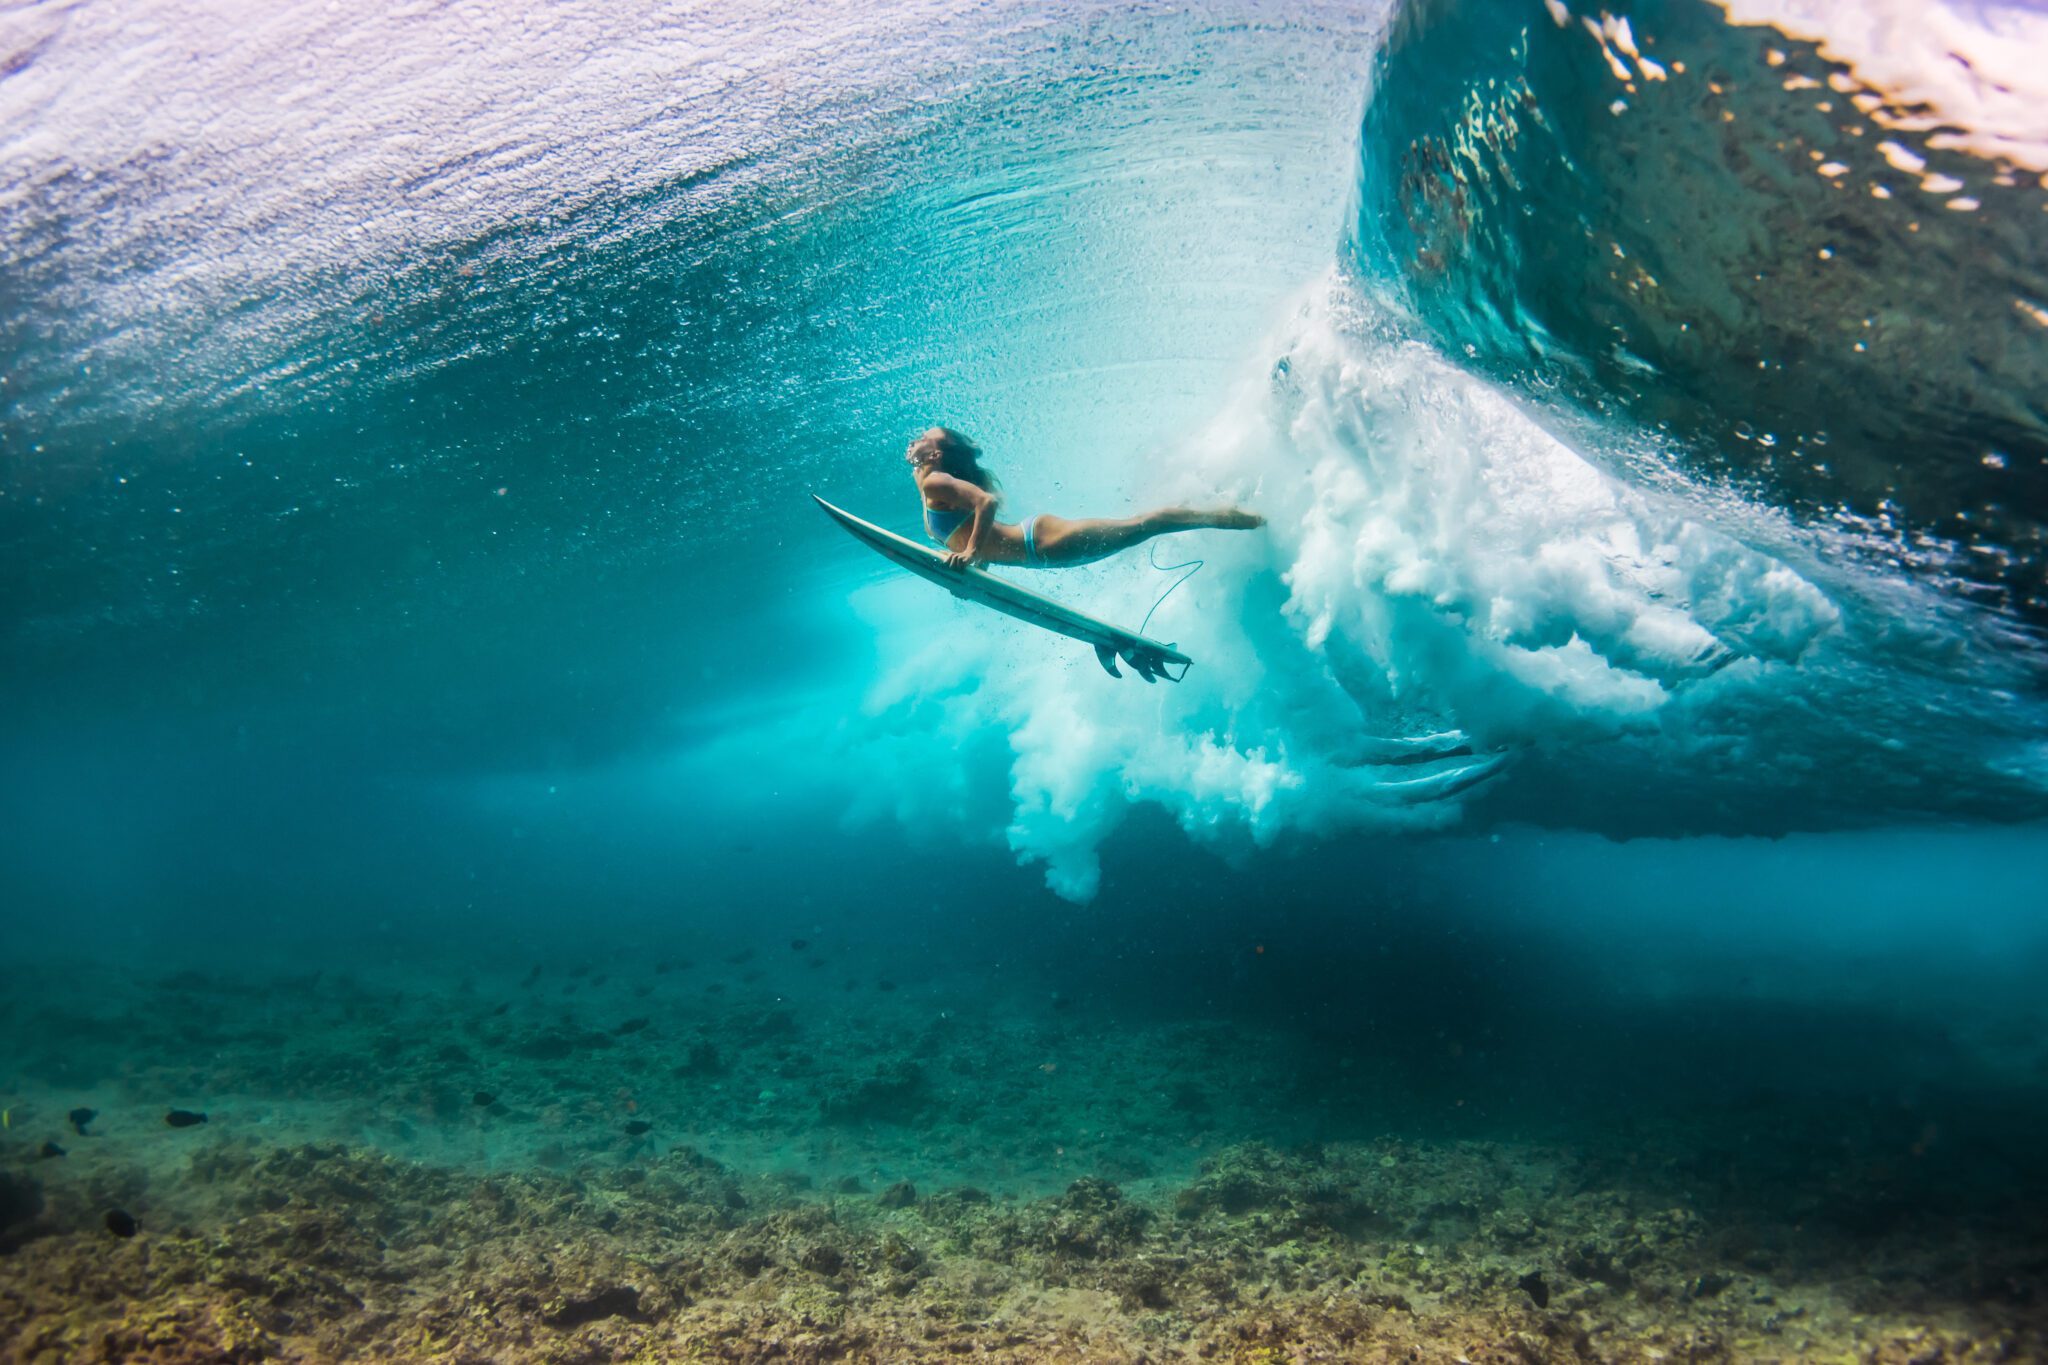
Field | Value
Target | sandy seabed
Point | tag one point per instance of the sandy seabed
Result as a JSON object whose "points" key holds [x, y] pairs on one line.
{"points": [[755, 1158]]}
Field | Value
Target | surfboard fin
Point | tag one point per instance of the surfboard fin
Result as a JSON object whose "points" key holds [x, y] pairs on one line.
{"points": [[1151, 665], [1148, 664]]}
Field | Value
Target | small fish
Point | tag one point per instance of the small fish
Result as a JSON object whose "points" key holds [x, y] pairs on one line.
{"points": [[1532, 1285], [797, 945], [183, 1118], [885, 985], [51, 1149], [501, 1009], [483, 1099], [635, 1127], [532, 976], [631, 1026], [80, 1117], [122, 1223]]}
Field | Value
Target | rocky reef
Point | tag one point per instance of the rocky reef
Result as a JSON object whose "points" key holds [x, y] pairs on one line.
{"points": [[1373, 1251], [653, 1161]]}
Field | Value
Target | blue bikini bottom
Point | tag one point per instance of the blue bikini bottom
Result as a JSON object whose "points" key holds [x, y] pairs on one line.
{"points": [[940, 526]]}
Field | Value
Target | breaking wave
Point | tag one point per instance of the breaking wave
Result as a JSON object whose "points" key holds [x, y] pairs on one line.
{"points": [[1456, 618]]}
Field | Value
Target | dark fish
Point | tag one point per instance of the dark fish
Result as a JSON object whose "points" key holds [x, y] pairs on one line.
{"points": [[483, 1099], [797, 945], [79, 1118], [51, 1149], [631, 1026], [532, 976], [122, 1223], [885, 985], [183, 1118], [1532, 1285], [501, 1009], [635, 1127]]}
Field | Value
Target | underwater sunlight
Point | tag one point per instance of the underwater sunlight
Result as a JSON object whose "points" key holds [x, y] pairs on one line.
{"points": [[1527, 845]]}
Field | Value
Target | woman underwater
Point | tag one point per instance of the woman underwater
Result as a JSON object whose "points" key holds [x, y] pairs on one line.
{"points": [[960, 506]]}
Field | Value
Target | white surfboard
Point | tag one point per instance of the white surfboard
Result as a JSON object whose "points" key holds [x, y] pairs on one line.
{"points": [[1149, 658]]}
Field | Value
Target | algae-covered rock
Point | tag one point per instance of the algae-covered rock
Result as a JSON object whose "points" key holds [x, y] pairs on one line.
{"points": [[898, 1254], [1284, 1196], [1093, 1219], [614, 1301], [688, 1179], [1240, 1179], [822, 1259]]}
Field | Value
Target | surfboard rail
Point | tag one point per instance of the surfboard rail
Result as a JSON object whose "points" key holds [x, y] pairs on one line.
{"points": [[1149, 659]]}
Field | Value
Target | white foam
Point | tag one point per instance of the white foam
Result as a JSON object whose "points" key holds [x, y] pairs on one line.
{"points": [[1973, 75], [1436, 563]]}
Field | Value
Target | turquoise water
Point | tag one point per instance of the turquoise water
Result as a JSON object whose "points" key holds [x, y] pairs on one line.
{"points": [[414, 606]]}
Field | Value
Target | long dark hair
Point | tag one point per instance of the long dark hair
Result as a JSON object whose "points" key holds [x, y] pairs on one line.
{"points": [[959, 457]]}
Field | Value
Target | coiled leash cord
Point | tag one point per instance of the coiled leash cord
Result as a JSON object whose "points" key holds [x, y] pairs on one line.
{"points": [[1193, 567]]}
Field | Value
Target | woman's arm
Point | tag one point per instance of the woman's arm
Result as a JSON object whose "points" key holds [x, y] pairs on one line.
{"points": [[984, 512], [951, 494]]}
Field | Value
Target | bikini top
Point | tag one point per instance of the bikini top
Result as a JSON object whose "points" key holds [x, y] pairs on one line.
{"points": [[940, 525]]}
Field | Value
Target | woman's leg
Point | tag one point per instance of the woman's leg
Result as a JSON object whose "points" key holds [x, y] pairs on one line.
{"points": [[1062, 542]]}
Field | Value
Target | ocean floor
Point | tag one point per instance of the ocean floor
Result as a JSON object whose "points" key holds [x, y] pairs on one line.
{"points": [[794, 1152]]}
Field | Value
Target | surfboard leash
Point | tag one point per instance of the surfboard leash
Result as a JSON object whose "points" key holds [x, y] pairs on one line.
{"points": [[1193, 567]]}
